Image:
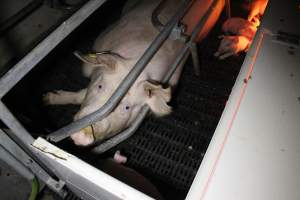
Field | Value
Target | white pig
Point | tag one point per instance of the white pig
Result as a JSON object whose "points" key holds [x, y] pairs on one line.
{"points": [[256, 8], [123, 45], [240, 26], [232, 45]]}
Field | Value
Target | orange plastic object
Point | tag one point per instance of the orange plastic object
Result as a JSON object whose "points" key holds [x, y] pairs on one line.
{"points": [[197, 11]]}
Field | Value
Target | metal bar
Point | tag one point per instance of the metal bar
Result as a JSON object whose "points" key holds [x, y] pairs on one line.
{"points": [[154, 17], [10, 160], [19, 16], [108, 144], [14, 75], [19, 131], [125, 84], [195, 57], [24, 140], [12, 147]]}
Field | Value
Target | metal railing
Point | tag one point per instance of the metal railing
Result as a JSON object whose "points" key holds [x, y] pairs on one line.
{"points": [[189, 47], [127, 82], [21, 136], [18, 133]]}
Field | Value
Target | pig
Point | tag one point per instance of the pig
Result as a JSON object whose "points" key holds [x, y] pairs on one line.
{"points": [[240, 26], [256, 9], [118, 50], [232, 45], [241, 33]]}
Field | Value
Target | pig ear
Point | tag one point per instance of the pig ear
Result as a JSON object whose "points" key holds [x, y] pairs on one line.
{"points": [[105, 60], [157, 98]]}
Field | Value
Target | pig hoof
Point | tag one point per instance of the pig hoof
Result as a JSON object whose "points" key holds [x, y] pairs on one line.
{"points": [[82, 139], [118, 158]]}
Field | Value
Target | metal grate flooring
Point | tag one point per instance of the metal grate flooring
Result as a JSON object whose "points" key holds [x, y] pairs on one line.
{"points": [[171, 148]]}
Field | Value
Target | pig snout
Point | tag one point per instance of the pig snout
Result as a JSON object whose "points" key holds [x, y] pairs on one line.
{"points": [[89, 134], [84, 137]]}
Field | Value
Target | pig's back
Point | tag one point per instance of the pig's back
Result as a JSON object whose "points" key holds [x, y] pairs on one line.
{"points": [[133, 34]]}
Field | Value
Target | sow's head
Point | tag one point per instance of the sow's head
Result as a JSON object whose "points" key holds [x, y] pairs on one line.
{"points": [[106, 71]]}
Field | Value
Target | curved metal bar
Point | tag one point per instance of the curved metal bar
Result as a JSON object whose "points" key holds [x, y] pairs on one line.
{"points": [[117, 139], [154, 17], [184, 52], [121, 91]]}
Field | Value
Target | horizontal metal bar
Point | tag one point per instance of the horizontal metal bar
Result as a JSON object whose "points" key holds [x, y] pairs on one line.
{"points": [[14, 75], [11, 161], [125, 84], [108, 144]]}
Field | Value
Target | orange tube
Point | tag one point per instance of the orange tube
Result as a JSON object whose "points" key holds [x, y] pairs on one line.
{"points": [[197, 11]]}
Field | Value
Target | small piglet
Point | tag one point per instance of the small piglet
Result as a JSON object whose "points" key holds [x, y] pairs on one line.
{"points": [[232, 45], [240, 33], [256, 9], [240, 26]]}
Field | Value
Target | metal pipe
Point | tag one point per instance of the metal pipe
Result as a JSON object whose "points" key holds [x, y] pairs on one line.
{"points": [[108, 144], [14, 75], [195, 57], [154, 17], [10, 160], [20, 136], [19, 131], [125, 84], [29, 161], [19, 16]]}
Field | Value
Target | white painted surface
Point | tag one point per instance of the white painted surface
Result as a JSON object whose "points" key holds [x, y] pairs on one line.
{"points": [[255, 151], [110, 185]]}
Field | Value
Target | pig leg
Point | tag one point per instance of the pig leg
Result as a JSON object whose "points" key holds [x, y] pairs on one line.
{"points": [[61, 97]]}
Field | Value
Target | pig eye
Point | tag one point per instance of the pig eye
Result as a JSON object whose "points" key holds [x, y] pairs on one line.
{"points": [[127, 107], [99, 86]]}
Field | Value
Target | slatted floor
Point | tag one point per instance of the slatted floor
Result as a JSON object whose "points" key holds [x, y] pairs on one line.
{"points": [[170, 149]]}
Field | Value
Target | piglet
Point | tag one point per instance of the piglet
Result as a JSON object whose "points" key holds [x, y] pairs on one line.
{"points": [[232, 45], [256, 8], [240, 26]]}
